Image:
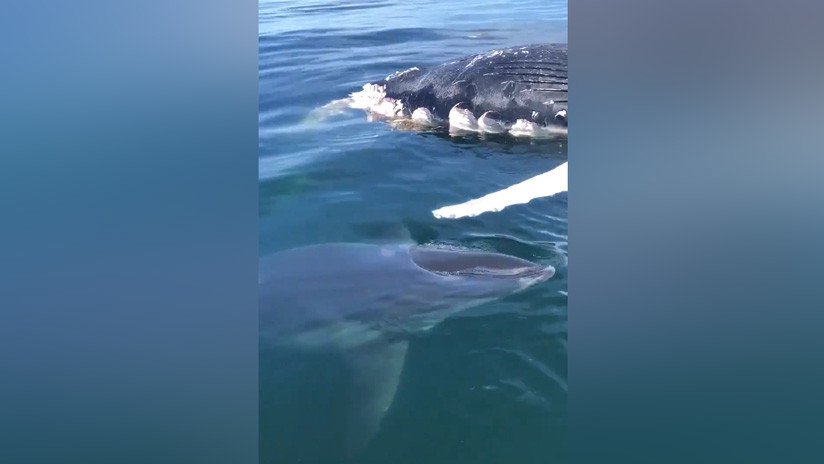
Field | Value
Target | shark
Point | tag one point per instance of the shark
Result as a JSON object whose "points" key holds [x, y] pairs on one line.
{"points": [[365, 301]]}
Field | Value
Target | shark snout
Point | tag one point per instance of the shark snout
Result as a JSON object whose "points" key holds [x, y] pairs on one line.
{"points": [[535, 275], [481, 265]]}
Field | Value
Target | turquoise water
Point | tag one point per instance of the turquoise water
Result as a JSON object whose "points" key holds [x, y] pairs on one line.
{"points": [[486, 386]]}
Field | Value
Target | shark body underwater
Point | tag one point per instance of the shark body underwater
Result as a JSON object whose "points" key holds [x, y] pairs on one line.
{"points": [[364, 302]]}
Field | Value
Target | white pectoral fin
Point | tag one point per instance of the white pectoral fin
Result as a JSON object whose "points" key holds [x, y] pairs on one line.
{"points": [[376, 370], [542, 185]]}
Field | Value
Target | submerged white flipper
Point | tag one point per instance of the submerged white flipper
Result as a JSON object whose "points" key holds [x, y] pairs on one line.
{"points": [[376, 371], [542, 185]]}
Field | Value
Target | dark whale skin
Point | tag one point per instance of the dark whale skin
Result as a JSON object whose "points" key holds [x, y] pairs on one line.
{"points": [[528, 82]]}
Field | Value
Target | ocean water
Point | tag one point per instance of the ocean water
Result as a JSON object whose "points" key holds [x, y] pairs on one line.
{"points": [[487, 385]]}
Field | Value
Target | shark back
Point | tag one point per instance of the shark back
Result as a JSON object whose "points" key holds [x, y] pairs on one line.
{"points": [[361, 301]]}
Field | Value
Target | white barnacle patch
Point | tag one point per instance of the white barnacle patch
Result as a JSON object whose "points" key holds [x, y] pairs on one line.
{"points": [[388, 108], [474, 60], [477, 58], [561, 114], [461, 118], [371, 95], [489, 123], [373, 99], [398, 74], [535, 114]]}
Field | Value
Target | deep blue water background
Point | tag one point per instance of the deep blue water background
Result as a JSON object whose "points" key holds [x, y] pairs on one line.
{"points": [[488, 386]]}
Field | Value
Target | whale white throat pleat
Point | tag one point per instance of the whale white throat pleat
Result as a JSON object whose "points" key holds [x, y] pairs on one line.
{"points": [[424, 117], [525, 128], [542, 185], [462, 119], [491, 124]]}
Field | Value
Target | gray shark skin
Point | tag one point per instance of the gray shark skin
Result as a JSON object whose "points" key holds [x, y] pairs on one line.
{"points": [[528, 82], [365, 301]]}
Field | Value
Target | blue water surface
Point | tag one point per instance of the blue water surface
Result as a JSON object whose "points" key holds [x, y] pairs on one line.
{"points": [[486, 386]]}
